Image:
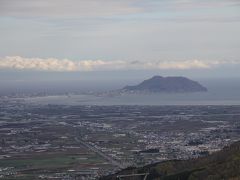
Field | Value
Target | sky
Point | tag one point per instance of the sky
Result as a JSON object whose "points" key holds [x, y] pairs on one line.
{"points": [[172, 37]]}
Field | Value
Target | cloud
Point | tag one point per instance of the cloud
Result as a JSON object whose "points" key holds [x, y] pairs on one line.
{"points": [[190, 64], [53, 64], [103, 8], [67, 8], [189, 4], [50, 64]]}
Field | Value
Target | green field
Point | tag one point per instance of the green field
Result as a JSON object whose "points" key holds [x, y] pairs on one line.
{"points": [[31, 167], [45, 162]]}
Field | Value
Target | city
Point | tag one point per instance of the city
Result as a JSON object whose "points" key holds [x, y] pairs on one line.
{"points": [[87, 142]]}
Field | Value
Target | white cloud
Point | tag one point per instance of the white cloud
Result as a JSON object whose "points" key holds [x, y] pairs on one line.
{"points": [[53, 64], [189, 64], [50, 64]]}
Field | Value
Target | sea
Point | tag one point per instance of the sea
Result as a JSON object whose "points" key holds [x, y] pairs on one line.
{"points": [[220, 92]]}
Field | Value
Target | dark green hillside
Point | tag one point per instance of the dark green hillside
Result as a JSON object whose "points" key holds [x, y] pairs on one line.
{"points": [[223, 165]]}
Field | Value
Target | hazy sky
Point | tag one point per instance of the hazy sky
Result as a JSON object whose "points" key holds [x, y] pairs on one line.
{"points": [[100, 35]]}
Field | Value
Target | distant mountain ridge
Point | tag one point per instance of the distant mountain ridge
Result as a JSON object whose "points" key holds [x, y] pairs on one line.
{"points": [[172, 84]]}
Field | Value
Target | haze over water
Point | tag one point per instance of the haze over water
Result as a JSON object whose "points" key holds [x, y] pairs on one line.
{"points": [[220, 92]]}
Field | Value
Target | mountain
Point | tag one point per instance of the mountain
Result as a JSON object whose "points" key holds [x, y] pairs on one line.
{"points": [[222, 165], [166, 84]]}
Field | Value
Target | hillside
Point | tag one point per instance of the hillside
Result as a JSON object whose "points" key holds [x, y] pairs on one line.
{"points": [[167, 84], [224, 165]]}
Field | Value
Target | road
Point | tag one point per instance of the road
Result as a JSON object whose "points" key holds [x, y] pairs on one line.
{"points": [[99, 152]]}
